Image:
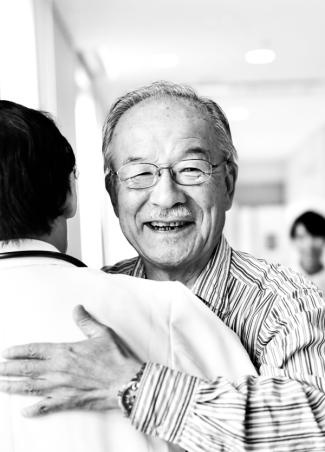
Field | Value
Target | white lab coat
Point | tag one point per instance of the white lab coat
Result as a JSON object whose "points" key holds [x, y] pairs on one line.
{"points": [[161, 321]]}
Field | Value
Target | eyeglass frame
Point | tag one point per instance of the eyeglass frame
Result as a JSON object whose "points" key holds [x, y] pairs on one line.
{"points": [[110, 171]]}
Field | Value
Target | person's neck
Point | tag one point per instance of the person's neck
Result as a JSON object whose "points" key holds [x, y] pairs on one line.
{"points": [[184, 274], [158, 274], [58, 235], [311, 267]]}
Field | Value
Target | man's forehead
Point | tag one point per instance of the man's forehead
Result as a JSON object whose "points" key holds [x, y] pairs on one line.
{"points": [[163, 129], [164, 111]]}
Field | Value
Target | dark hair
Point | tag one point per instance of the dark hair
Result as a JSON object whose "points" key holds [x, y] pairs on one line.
{"points": [[312, 221], [35, 166]]}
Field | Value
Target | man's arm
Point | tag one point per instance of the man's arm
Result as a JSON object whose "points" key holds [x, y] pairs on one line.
{"points": [[281, 410], [255, 413]]}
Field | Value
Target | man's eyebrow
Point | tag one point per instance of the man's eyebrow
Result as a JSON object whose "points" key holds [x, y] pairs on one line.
{"points": [[133, 159], [197, 150]]}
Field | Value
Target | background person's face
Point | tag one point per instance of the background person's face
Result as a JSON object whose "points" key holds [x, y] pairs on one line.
{"points": [[309, 247], [168, 224]]}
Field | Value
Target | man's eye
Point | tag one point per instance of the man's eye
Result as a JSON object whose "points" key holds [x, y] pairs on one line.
{"points": [[144, 174], [191, 170]]}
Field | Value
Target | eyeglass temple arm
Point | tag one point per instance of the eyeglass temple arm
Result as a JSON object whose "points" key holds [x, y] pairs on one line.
{"points": [[226, 161]]}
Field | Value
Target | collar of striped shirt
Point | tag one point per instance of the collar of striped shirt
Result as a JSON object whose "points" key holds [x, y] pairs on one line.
{"points": [[210, 285]]}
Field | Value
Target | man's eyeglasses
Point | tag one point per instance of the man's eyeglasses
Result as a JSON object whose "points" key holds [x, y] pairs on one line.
{"points": [[184, 172]]}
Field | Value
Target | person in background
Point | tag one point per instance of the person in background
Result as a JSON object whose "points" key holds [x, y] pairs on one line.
{"points": [[40, 285], [308, 235], [171, 171]]}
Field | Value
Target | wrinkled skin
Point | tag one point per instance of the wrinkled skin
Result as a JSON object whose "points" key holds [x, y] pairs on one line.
{"points": [[86, 374]]}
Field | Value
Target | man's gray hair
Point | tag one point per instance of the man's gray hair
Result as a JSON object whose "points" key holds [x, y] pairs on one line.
{"points": [[159, 90]]}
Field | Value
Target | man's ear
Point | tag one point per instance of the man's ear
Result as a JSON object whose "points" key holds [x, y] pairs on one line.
{"points": [[111, 190], [71, 202], [231, 178]]}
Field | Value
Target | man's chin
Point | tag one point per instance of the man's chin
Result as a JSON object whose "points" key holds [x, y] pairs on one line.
{"points": [[167, 260]]}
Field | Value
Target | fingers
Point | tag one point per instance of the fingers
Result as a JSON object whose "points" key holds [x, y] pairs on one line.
{"points": [[31, 351], [47, 384], [45, 406], [29, 387], [94, 401], [86, 322], [23, 368]]}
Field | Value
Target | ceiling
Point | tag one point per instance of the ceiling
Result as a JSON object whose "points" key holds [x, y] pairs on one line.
{"points": [[203, 43]]}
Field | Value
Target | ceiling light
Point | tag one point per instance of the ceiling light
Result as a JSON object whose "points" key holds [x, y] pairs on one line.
{"points": [[260, 56]]}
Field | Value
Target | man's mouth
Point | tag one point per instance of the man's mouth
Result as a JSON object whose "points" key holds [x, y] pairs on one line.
{"points": [[165, 226]]}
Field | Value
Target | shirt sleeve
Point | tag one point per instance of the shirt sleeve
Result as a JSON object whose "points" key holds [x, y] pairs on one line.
{"points": [[282, 409]]}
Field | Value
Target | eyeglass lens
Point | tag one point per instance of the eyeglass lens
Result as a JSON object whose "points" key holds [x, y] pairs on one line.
{"points": [[184, 172]]}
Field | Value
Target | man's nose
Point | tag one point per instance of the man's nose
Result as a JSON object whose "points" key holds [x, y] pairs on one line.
{"points": [[166, 192]]}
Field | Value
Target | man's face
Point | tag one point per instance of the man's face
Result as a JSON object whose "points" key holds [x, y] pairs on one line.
{"points": [[170, 225]]}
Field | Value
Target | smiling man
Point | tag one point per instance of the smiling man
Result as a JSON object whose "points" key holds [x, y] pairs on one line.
{"points": [[172, 186], [171, 171]]}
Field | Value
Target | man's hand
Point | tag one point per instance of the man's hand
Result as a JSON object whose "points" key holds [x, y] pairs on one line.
{"points": [[80, 375]]}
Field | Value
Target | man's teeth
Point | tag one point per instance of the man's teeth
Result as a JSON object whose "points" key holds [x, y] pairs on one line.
{"points": [[164, 223], [164, 226]]}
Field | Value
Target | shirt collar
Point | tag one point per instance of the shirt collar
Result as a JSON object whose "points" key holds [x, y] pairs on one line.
{"points": [[138, 269], [211, 284], [26, 245]]}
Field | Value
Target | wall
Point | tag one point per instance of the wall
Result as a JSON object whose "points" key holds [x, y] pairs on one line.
{"points": [[65, 67], [57, 61], [18, 60], [305, 180], [305, 175]]}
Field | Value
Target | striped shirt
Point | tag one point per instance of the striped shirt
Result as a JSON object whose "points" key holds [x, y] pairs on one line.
{"points": [[280, 319]]}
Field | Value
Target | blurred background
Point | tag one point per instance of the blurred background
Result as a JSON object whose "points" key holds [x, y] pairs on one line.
{"points": [[262, 61]]}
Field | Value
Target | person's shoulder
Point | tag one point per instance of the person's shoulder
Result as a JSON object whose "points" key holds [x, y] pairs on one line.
{"points": [[270, 275], [318, 279], [125, 267]]}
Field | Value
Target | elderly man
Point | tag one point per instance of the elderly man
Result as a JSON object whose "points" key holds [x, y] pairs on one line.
{"points": [[171, 172]]}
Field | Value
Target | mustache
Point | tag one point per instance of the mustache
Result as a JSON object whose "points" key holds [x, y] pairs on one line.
{"points": [[174, 213]]}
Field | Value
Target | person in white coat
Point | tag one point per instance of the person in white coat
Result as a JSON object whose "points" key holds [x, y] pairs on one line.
{"points": [[40, 286]]}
